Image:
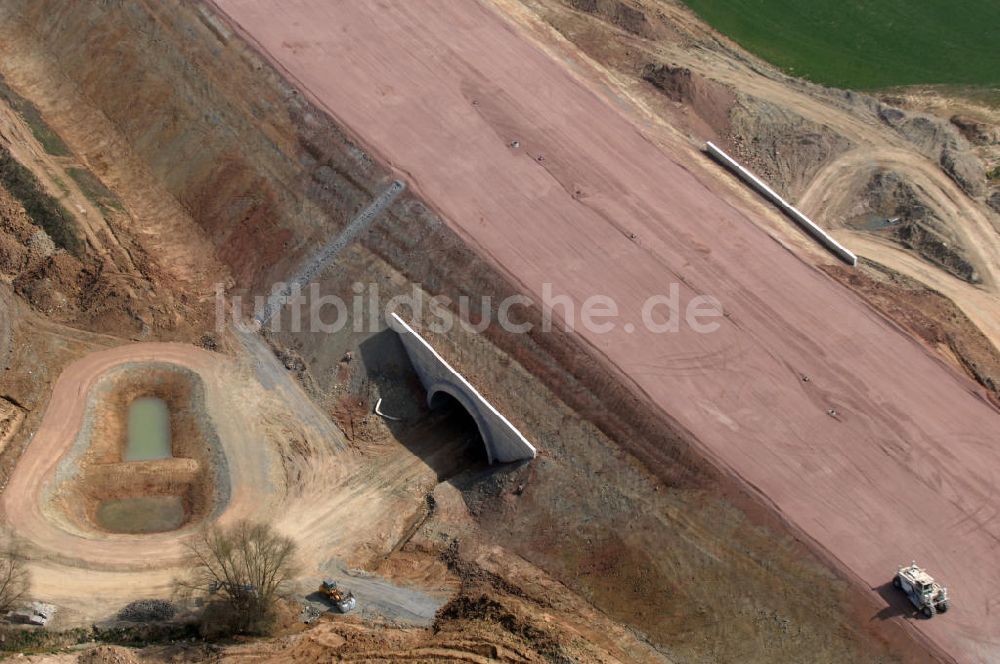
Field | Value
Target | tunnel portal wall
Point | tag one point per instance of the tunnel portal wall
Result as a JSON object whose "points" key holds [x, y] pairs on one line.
{"points": [[504, 443]]}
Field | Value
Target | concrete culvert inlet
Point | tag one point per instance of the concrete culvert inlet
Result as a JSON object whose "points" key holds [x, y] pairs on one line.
{"points": [[504, 443], [145, 459], [462, 420]]}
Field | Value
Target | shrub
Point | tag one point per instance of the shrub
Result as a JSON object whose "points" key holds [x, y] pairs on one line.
{"points": [[15, 580], [243, 568]]}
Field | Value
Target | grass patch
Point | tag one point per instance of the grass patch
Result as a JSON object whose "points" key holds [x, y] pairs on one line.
{"points": [[49, 139], [61, 184], [43, 641], [868, 44], [45, 211], [989, 97], [94, 189]]}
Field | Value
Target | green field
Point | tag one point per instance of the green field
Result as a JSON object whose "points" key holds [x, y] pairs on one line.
{"points": [[868, 44]]}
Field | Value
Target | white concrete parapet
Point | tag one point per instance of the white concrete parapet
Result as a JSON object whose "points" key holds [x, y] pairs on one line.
{"points": [[824, 238], [504, 443]]}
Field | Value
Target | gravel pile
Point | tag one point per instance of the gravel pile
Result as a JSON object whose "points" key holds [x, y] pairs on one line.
{"points": [[148, 610]]}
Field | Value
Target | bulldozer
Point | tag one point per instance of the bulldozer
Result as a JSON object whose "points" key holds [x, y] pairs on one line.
{"points": [[343, 601], [923, 591]]}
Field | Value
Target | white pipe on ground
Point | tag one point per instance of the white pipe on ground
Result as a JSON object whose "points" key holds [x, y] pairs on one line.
{"points": [[824, 238], [378, 412]]}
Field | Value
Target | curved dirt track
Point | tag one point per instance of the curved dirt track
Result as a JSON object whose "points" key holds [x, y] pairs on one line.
{"points": [[287, 465], [58, 430], [908, 467], [837, 183], [94, 574], [836, 187]]}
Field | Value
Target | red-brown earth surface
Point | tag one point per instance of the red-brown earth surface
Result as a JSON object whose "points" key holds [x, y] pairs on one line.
{"points": [[907, 465]]}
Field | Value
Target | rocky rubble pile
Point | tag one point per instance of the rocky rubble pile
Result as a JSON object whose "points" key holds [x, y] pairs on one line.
{"points": [[148, 610]]}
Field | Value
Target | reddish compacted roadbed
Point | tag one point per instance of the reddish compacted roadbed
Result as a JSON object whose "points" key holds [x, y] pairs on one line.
{"points": [[909, 466]]}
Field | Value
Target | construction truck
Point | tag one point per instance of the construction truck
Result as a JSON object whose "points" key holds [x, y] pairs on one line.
{"points": [[344, 602], [924, 592]]}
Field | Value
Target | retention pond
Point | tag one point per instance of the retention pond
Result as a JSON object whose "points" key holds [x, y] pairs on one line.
{"points": [[145, 514], [148, 430], [148, 439]]}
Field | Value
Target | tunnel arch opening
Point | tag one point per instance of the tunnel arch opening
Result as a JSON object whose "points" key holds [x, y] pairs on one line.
{"points": [[449, 400], [504, 443]]}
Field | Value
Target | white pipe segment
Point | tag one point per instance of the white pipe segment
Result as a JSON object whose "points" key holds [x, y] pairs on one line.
{"points": [[504, 443], [824, 238]]}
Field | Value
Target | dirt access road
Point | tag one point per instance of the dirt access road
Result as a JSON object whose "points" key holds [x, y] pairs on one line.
{"points": [[837, 187], [287, 463], [118, 567], [908, 466]]}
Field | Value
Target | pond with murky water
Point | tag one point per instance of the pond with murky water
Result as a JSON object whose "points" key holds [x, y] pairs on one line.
{"points": [[148, 439], [148, 430], [145, 514]]}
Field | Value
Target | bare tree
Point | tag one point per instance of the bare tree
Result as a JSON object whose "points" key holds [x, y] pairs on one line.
{"points": [[246, 566], [15, 580]]}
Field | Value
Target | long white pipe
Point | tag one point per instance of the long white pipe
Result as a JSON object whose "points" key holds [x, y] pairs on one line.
{"points": [[834, 247]]}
